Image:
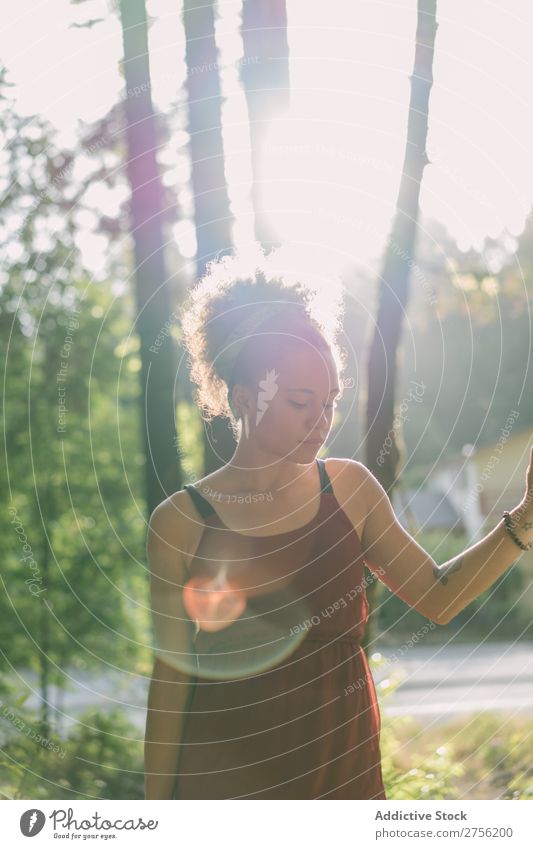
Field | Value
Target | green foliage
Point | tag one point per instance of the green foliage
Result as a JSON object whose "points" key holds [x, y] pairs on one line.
{"points": [[73, 513], [76, 509], [434, 775], [469, 326], [101, 758], [496, 751], [104, 757], [411, 771], [190, 448], [486, 756]]}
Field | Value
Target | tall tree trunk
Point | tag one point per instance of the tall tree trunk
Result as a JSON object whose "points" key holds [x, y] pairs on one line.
{"points": [[159, 365], [44, 635], [399, 255], [266, 81], [212, 216]]}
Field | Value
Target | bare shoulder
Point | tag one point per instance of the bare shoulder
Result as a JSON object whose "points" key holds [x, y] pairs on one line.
{"points": [[349, 482], [173, 524], [172, 513], [357, 477], [349, 473]]}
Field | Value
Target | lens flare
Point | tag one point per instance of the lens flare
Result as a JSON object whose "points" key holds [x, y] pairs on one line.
{"points": [[227, 630], [213, 603]]}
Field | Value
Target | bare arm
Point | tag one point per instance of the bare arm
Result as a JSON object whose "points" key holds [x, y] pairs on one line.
{"points": [[165, 720], [438, 592], [171, 682]]}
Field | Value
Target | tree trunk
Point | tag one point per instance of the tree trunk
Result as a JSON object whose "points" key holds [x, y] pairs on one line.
{"points": [[212, 216], [265, 77], [44, 637], [382, 452], [158, 353]]}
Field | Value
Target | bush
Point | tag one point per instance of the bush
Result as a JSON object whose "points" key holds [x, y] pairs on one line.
{"points": [[486, 757], [101, 758]]}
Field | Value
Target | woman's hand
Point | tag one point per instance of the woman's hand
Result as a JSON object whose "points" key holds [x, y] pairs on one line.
{"points": [[523, 513], [528, 497]]}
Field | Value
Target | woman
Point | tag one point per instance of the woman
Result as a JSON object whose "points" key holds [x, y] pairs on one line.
{"points": [[261, 689]]}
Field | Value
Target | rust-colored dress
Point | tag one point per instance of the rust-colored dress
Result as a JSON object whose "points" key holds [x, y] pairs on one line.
{"points": [[306, 726]]}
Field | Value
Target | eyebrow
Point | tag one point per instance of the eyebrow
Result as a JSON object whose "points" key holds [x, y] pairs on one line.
{"points": [[310, 391]]}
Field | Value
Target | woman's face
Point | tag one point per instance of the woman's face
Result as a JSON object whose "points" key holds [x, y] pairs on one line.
{"points": [[296, 403]]}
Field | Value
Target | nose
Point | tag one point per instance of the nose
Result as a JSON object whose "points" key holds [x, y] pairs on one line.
{"points": [[320, 424]]}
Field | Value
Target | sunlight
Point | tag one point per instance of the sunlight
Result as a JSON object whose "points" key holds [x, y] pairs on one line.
{"points": [[332, 166], [324, 191]]}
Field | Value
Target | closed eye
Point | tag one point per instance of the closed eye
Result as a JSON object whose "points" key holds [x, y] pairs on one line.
{"points": [[301, 406]]}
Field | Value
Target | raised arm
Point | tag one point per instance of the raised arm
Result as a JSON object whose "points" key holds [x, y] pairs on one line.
{"points": [[438, 592], [170, 686]]}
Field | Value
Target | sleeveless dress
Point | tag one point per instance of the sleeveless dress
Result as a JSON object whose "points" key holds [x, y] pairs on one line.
{"points": [[307, 725]]}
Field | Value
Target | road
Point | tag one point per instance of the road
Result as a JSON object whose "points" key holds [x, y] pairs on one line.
{"points": [[438, 683]]}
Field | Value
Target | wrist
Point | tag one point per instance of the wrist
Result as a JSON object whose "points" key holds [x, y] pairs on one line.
{"points": [[519, 524], [526, 505], [522, 514]]}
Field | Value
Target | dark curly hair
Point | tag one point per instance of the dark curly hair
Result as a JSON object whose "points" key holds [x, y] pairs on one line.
{"points": [[233, 289]]}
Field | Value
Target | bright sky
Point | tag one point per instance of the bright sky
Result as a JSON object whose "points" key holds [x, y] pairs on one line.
{"points": [[334, 163]]}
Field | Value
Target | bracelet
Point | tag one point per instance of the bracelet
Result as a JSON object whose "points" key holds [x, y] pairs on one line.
{"points": [[508, 524]]}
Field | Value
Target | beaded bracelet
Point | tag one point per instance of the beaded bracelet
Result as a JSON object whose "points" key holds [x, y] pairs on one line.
{"points": [[508, 524]]}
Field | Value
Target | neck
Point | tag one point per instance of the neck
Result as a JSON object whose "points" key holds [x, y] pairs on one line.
{"points": [[253, 470]]}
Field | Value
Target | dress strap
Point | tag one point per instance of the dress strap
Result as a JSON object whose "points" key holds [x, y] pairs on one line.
{"points": [[206, 509], [202, 504], [325, 483]]}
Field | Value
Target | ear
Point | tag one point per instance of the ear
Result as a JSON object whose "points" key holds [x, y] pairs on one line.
{"points": [[243, 401]]}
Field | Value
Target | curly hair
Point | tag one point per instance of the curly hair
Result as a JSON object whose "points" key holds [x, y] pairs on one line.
{"points": [[233, 290]]}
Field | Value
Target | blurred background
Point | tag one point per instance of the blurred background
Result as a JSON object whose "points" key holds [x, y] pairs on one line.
{"points": [[381, 147]]}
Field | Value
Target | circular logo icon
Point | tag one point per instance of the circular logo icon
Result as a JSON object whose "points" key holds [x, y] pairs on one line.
{"points": [[32, 822]]}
